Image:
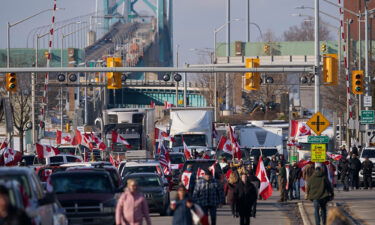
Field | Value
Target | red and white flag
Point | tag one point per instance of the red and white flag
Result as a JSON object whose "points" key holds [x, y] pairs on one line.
{"points": [[3, 146], [113, 161], [225, 145], [265, 189], [99, 143], [212, 169], [160, 134], [11, 157], [200, 173], [77, 139], [187, 151], [117, 138], [299, 129], [335, 157], [235, 146], [87, 141], [185, 179], [167, 105], [45, 151], [152, 105]]}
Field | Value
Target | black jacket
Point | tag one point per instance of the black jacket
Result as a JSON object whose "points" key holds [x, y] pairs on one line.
{"points": [[367, 167], [15, 217], [245, 196], [295, 174], [344, 167], [355, 165]]}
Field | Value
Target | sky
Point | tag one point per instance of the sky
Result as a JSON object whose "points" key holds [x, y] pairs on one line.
{"points": [[194, 20]]}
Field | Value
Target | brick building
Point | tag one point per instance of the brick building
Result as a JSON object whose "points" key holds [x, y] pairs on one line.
{"points": [[358, 7]]}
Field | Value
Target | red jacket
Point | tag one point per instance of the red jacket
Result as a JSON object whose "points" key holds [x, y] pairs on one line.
{"points": [[131, 208]]}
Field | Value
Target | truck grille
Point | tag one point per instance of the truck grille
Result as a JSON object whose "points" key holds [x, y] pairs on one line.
{"points": [[83, 208]]}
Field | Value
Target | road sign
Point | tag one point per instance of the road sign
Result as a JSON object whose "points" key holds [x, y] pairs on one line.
{"points": [[367, 117], [367, 101], [318, 139], [318, 152], [318, 123]]}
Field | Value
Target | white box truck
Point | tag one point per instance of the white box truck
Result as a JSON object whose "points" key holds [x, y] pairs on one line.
{"points": [[194, 125]]}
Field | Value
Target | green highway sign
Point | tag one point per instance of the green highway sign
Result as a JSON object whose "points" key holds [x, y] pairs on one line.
{"points": [[317, 139], [367, 117]]}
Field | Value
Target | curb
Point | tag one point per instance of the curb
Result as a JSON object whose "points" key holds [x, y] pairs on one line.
{"points": [[303, 214]]}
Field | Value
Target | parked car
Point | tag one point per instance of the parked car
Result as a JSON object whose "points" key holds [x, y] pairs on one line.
{"points": [[370, 153], [88, 196], [62, 159], [39, 206], [177, 163], [154, 190]]}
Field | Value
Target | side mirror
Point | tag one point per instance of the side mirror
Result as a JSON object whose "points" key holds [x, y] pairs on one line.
{"points": [[49, 198]]}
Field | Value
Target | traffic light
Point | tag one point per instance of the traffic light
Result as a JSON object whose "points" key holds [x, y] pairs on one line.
{"points": [[11, 82], [330, 69], [266, 49], [357, 82], [114, 78], [252, 79], [323, 47]]}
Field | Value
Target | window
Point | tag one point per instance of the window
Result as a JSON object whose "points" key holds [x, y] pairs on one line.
{"points": [[368, 153], [148, 181], [56, 159], [190, 140], [72, 159], [82, 183], [140, 169], [22, 179], [177, 159]]}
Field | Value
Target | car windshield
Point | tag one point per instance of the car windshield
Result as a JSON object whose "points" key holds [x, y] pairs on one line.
{"points": [[140, 169], [265, 152], [368, 153], [81, 183], [190, 140], [56, 159], [147, 181], [22, 179], [176, 158]]}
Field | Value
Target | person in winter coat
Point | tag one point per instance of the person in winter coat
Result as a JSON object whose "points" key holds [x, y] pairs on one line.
{"points": [[245, 196], [273, 172], [295, 175], [344, 172], [367, 173], [132, 206], [209, 194], [229, 191], [181, 208], [320, 191], [282, 182], [192, 180], [256, 182], [355, 167], [10, 215]]}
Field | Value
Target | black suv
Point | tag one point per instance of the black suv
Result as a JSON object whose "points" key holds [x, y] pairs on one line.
{"points": [[88, 196], [154, 190]]}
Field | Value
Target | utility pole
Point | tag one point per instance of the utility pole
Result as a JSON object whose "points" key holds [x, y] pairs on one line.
{"points": [[227, 78], [367, 77], [359, 134], [317, 59], [248, 22], [348, 22]]}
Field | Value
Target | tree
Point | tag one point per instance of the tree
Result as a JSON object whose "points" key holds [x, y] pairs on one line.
{"points": [[305, 32]]}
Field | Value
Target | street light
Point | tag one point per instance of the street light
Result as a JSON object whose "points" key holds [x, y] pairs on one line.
{"points": [[9, 25]]}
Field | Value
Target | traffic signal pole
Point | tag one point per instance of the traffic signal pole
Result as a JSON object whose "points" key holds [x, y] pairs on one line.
{"points": [[317, 59], [367, 78]]}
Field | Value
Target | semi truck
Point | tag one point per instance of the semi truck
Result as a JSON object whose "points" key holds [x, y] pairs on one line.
{"points": [[194, 126], [136, 125]]}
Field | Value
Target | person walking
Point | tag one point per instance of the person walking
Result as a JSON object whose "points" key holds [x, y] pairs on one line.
{"points": [[319, 190], [245, 196], [181, 208], [273, 172], [229, 188], [367, 166], [295, 176], [132, 206], [10, 215], [256, 182], [209, 194], [355, 167], [344, 173], [282, 182]]}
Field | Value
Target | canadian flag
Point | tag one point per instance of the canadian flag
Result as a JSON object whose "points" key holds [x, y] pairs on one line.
{"points": [[185, 179], [116, 138], [335, 157], [299, 129], [200, 173], [235, 146], [225, 144], [265, 189], [45, 151], [99, 143], [152, 105], [11, 156], [212, 169], [3, 146], [187, 151], [160, 134], [77, 139], [67, 139], [167, 105], [87, 141], [113, 161]]}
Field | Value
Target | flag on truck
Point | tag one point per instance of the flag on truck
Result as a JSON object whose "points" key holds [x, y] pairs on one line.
{"points": [[187, 151], [77, 139], [99, 143], [225, 145], [164, 159], [11, 157], [160, 134], [117, 138], [235, 146]]}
